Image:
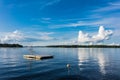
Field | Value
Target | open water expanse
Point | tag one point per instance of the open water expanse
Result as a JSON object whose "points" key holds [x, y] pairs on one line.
{"points": [[85, 64]]}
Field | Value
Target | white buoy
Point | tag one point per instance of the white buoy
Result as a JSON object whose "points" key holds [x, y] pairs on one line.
{"points": [[68, 65], [68, 68]]}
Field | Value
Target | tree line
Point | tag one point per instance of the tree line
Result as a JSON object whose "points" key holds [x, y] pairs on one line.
{"points": [[85, 46], [10, 45]]}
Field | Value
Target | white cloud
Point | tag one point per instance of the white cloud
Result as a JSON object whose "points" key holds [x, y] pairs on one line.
{"points": [[102, 34], [99, 37], [79, 23], [111, 22], [49, 3], [76, 24], [83, 37], [46, 19], [12, 37], [110, 7], [45, 35], [38, 37], [98, 17], [115, 3]]}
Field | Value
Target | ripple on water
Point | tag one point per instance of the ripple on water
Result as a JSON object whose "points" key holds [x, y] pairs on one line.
{"points": [[48, 74]]}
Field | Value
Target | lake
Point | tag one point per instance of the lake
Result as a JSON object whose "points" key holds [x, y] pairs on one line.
{"points": [[85, 64]]}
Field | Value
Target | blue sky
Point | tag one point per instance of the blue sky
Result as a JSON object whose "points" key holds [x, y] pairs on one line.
{"points": [[46, 22]]}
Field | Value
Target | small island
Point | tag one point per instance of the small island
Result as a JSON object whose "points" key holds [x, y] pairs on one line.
{"points": [[10, 45], [85, 46]]}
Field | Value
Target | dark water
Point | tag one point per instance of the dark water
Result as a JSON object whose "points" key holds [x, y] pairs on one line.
{"points": [[86, 64]]}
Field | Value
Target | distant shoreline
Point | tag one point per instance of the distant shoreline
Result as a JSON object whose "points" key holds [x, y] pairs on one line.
{"points": [[10, 45], [84, 46]]}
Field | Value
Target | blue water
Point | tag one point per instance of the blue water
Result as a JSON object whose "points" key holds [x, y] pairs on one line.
{"points": [[85, 64]]}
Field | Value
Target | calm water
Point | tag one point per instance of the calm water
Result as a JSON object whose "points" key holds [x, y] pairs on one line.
{"points": [[86, 64]]}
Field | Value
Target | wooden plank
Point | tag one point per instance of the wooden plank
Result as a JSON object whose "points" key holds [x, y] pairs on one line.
{"points": [[37, 56]]}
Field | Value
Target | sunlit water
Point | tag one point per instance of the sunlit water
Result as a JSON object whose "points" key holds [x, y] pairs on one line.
{"points": [[86, 64]]}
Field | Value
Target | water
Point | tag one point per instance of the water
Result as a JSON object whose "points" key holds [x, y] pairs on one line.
{"points": [[86, 64]]}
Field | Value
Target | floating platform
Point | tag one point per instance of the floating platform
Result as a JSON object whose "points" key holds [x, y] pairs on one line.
{"points": [[38, 57]]}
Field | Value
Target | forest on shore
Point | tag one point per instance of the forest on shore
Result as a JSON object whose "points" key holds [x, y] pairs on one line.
{"points": [[85, 46], [10, 45]]}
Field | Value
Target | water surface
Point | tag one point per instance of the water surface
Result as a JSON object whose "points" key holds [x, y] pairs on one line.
{"points": [[86, 64]]}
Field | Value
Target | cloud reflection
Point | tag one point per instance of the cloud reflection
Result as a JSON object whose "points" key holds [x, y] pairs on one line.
{"points": [[93, 57]]}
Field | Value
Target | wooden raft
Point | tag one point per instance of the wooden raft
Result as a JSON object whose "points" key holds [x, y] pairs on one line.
{"points": [[37, 56]]}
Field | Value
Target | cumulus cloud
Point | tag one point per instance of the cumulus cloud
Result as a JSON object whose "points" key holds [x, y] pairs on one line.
{"points": [[83, 37], [99, 37], [12, 37]]}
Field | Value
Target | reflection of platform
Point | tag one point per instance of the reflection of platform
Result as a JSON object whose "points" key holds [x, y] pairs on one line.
{"points": [[37, 56]]}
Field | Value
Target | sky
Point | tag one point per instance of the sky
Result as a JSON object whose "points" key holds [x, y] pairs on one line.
{"points": [[54, 22]]}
